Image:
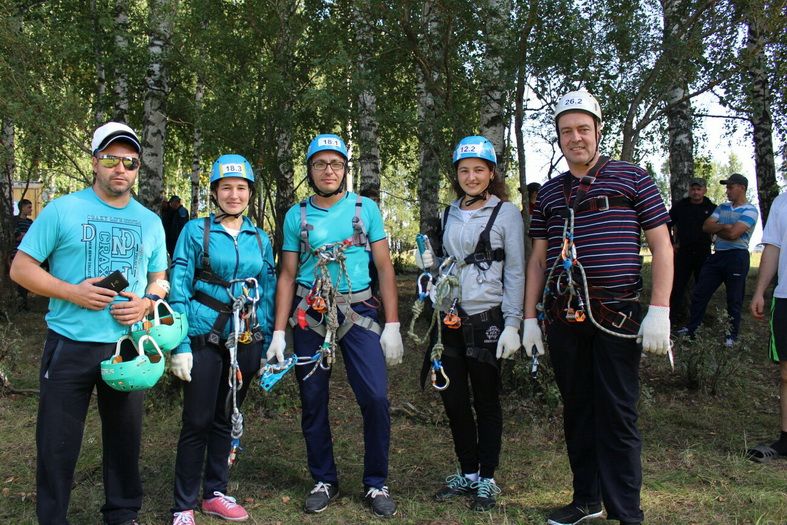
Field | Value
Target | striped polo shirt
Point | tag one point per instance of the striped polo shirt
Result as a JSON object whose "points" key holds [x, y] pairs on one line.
{"points": [[607, 242]]}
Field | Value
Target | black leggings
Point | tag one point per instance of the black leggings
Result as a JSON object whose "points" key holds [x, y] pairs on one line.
{"points": [[476, 439]]}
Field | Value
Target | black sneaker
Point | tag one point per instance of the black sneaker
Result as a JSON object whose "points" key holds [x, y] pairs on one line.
{"points": [[573, 513], [319, 497], [455, 485], [485, 491], [381, 503]]}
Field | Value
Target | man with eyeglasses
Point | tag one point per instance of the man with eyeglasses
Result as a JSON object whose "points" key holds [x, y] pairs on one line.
{"points": [[85, 236], [732, 224], [332, 236]]}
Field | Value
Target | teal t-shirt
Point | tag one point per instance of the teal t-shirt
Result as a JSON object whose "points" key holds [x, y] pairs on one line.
{"points": [[82, 237], [334, 225]]}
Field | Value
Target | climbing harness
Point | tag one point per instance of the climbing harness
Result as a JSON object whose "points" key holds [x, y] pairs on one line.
{"points": [[244, 315], [225, 311], [444, 287], [324, 298], [570, 286]]}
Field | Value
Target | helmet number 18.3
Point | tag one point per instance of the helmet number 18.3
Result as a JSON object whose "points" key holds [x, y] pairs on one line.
{"points": [[232, 168]]}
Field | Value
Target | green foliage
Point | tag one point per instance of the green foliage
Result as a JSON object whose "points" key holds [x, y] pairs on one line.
{"points": [[705, 362]]}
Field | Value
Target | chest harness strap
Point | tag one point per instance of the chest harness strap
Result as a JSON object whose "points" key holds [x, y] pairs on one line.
{"points": [[252, 332], [576, 291], [359, 236]]}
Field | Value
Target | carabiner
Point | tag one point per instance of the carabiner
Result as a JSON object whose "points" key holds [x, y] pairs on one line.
{"points": [[437, 365]]}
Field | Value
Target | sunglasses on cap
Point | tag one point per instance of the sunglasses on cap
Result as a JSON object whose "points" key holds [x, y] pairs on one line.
{"points": [[110, 161]]}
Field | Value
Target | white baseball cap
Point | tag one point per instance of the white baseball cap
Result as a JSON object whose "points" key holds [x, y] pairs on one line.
{"points": [[111, 132]]}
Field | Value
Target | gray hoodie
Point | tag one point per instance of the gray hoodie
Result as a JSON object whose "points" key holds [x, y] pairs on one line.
{"points": [[483, 290]]}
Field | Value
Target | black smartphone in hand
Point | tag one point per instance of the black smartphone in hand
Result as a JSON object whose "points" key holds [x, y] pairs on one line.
{"points": [[114, 281]]}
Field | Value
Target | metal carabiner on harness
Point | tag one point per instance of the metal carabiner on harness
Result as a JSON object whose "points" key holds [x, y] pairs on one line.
{"points": [[424, 285], [437, 366]]}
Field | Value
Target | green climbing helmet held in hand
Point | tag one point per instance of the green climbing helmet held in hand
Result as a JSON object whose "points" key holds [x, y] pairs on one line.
{"points": [[165, 326], [129, 369]]}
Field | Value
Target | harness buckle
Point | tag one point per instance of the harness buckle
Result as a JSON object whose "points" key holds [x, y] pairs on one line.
{"points": [[605, 205], [623, 318]]}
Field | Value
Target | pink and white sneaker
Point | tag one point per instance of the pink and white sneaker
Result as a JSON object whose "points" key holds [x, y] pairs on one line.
{"points": [[224, 507], [184, 517]]}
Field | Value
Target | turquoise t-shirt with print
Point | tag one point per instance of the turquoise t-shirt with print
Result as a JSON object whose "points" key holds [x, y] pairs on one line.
{"points": [[82, 236], [334, 225]]}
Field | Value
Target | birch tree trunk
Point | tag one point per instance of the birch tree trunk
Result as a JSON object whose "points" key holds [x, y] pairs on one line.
{"points": [[8, 166], [494, 86], [760, 117], [679, 112], [429, 162], [368, 139], [196, 149], [120, 62], [154, 131], [285, 177], [100, 113]]}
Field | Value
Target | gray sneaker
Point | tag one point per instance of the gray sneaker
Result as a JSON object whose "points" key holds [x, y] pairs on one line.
{"points": [[319, 497], [455, 485], [381, 503], [484, 498]]}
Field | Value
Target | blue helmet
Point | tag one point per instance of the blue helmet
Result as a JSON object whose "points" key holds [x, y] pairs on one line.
{"points": [[232, 165], [475, 147], [327, 142]]}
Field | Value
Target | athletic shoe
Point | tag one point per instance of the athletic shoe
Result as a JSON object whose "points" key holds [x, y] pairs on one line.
{"points": [[729, 342], [485, 491], [184, 517], [224, 507], [381, 503], [572, 514], [319, 497], [455, 485], [682, 332]]}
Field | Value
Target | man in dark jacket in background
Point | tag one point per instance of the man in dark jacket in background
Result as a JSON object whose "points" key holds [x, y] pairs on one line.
{"points": [[692, 245]]}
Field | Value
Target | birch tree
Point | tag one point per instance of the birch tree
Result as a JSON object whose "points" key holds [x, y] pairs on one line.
{"points": [[366, 102], [494, 83], [154, 129], [760, 110], [120, 63]]}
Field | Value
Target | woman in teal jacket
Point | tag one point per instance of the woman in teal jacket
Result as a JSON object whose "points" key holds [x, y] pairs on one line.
{"points": [[232, 259]]}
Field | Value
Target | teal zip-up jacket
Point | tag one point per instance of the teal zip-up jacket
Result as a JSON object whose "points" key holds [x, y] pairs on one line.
{"points": [[229, 259]]}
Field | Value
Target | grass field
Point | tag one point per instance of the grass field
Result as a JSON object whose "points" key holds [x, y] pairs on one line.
{"points": [[694, 468]]}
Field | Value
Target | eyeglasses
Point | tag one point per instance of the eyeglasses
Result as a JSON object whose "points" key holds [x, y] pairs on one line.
{"points": [[110, 161], [321, 165]]}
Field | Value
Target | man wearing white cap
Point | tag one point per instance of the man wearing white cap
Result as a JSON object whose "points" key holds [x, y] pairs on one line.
{"points": [[85, 236]]}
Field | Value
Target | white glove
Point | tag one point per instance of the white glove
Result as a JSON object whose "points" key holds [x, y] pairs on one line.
{"points": [[180, 366], [531, 336], [508, 343], [391, 341], [277, 347], [654, 330], [424, 260]]}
